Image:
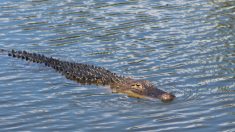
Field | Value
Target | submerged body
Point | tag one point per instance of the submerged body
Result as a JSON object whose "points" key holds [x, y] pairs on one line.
{"points": [[90, 74]]}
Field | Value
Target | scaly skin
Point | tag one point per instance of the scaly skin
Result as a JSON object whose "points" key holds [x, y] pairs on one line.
{"points": [[90, 74]]}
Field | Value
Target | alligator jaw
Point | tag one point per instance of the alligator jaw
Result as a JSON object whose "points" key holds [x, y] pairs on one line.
{"points": [[151, 95]]}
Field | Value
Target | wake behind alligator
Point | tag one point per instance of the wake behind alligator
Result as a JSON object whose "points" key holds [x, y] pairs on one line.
{"points": [[90, 74]]}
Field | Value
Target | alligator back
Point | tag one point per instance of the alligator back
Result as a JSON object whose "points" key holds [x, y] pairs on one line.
{"points": [[83, 73]]}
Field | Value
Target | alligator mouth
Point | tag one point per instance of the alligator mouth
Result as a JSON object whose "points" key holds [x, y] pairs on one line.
{"points": [[152, 95]]}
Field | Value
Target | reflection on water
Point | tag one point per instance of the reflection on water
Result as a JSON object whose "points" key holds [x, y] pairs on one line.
{"points": [[185, 47]]}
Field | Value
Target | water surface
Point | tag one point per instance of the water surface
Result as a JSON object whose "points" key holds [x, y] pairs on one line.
{"points": [[185, 47]]}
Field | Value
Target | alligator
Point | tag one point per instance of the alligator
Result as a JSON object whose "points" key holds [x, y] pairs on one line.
{"points": [[90, 74]]}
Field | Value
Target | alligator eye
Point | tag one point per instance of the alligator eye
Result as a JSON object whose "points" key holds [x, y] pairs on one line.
{"points": [[136, 85], [133, 85]]}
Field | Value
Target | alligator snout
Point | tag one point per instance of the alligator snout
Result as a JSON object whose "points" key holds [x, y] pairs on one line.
{"points": [[167, 97]]}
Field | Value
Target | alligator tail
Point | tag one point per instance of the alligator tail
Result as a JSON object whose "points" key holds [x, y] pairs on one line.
{"points": [[3, 51], [32, 57]]}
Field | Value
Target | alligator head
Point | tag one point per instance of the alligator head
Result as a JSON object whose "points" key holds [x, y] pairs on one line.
{"points": [[141, 89]]}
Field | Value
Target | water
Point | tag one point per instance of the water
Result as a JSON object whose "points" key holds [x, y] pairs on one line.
{"points": [[185, 47]]}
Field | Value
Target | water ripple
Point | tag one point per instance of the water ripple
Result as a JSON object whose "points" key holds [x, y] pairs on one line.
{"points": [[184, 47]]}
